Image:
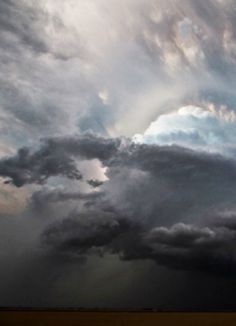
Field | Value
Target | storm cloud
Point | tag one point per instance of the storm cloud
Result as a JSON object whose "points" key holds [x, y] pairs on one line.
{"points": [[55, 157], [187, 246], [208, 249], [171, 178], [117, 153]]}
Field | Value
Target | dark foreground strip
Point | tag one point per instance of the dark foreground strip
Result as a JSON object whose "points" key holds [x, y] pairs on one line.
{"points": [[82, 317]]}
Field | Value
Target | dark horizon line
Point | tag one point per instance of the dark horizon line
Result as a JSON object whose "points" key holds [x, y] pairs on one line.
{"points": [[124, 310]]}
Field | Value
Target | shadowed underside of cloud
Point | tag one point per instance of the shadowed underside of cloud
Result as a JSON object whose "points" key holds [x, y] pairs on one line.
{"points": [[156, 203], [193, 248], [88, 230], [182, 246], [56, 157], [28, 167], [137, 213]]}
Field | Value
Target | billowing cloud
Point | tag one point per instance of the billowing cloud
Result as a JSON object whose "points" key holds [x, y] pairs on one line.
{"points": [[136, 104], [181, 246], [149, 190], [92, 229], [194, 248], [36, 168], [194, 127], [55, 157], [57, 74]]}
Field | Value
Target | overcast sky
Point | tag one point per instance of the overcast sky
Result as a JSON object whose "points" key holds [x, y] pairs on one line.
{"points": [[117, 154]]}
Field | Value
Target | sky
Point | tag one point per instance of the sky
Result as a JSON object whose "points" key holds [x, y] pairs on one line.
{"points": [[117, 154]]}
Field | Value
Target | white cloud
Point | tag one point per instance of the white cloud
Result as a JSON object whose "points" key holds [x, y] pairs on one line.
{"points": [[193, 127]]}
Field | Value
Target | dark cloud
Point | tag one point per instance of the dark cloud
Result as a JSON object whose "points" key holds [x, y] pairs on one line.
{"points": [[225, 220], [27, 167], [86, 146], [157, 183], [165, 184], [175, 162], [56, 157], [181, 247], [149, 189], [192, 248], [94, 183], [84, 231], [160, 185], [171, 162], [52, 205]]}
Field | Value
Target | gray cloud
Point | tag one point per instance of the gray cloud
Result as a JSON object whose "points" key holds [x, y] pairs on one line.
{"points": [[94, 183], [56, 157], [149, 189], [192, 248], [21, 19], [182, 246], [72, 67], [40, 197], [91, 229], [169, 184], [28, 167], [155, 183], [40, 44]]}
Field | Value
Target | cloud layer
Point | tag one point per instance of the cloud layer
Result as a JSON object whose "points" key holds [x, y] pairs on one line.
{"points": [[137, 213], [117, 153]]}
